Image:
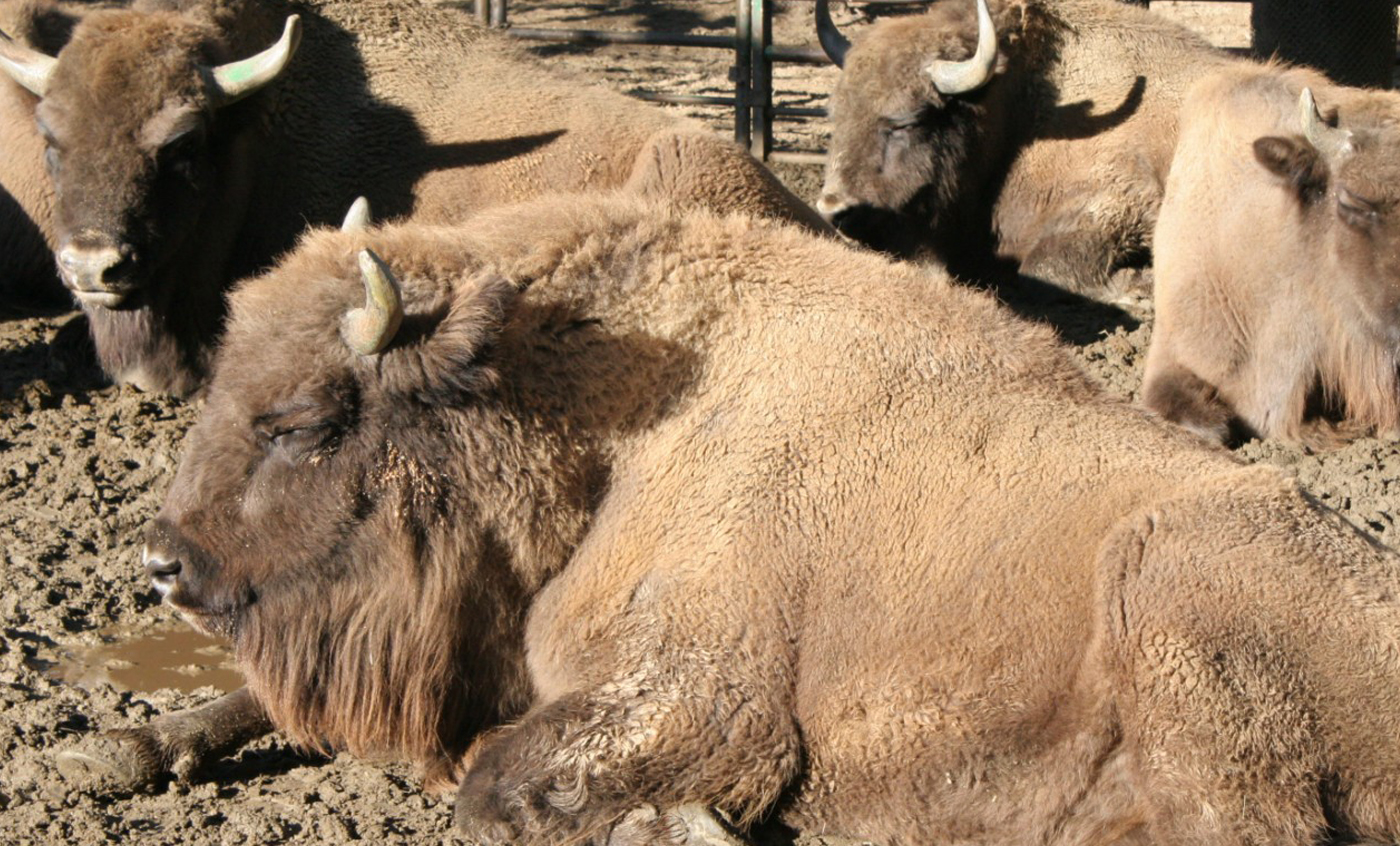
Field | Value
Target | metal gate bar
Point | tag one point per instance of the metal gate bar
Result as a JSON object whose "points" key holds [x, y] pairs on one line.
{"points": [[751, 73]]}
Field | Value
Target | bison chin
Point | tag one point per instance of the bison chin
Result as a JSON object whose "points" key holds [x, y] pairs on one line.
{"points": [[894, 233]]}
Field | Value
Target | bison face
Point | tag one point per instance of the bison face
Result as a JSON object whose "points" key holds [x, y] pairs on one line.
{"points": [[1366, 203], [908, 115], [1348, 183], [322, 515], [128, 113]]}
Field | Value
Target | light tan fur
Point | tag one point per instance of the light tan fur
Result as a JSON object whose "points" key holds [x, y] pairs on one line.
{"points": [[792, 530], [1274, 317]]}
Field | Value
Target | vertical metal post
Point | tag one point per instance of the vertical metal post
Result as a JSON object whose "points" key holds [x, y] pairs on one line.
{"points": [[761, 103], [483, 14], [739, 74], [498, 13]]}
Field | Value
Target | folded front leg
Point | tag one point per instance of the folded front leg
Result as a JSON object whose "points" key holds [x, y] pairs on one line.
{"points": [[615, 764]]}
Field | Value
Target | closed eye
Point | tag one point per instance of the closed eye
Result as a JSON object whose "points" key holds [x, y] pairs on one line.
{"points": [[1356, 210], [302, 442]]}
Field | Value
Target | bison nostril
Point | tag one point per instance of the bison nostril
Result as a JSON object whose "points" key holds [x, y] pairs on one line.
{"points": [[162, 569]]}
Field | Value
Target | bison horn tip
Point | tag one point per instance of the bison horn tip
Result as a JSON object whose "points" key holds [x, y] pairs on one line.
{"points": [[1328, 140], [358, 217], [834, 44], [952, 78], [369, 329], [234, 81], [29, 68]]}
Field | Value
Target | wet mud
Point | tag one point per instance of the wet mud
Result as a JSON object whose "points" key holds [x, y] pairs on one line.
{"points": [[85, 646]]}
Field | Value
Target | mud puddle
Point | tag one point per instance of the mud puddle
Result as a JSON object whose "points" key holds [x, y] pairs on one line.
{"points": [[174, 657]]}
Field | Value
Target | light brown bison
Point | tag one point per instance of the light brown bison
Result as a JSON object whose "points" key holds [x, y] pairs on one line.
{"points": [[692, 510], [1278, 262], [1053, 140], [190, 143]]}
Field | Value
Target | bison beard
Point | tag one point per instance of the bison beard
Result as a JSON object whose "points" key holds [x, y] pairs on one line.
{"points": [[704, 540]]}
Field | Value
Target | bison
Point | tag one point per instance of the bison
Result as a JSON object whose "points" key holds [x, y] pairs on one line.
{"points": [[27, 273], [189, 144], [1054, 137], [655, 510], [1278, 309]]}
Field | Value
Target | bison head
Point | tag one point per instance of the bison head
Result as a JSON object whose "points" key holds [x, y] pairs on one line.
{"points": [[328, 512], [1348, 182], [127, 110], [908, 118]]}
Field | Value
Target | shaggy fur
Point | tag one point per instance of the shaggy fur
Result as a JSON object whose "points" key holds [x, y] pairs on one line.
{"points": [[401, 101], [1061, 156], [1278, 271], [717, 512]]}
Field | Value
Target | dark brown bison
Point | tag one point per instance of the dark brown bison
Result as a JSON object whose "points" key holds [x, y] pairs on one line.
{"points": [[1055, 137], [652, 511], [189, 143], [27, 274], [1278, 261]]}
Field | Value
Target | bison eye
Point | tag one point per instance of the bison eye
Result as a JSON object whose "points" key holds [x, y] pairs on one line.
{"points": [[300, 442], [1356, 211]]}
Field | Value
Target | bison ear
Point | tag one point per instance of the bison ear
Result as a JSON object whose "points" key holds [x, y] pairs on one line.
{"points": [[1296, 162], [457, 352]]}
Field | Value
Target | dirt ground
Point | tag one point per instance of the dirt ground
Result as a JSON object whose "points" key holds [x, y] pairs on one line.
{"points": [[83, 465]]}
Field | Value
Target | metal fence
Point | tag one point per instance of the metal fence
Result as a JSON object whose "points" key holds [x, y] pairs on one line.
{"points": [[752, 72]]}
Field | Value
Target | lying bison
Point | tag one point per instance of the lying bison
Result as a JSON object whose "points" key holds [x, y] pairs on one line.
{"points": [[691, 510], [1278, 262], [1056, 139], [189, 143]]}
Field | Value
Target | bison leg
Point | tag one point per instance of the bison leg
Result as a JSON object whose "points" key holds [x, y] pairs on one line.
{"points": [[1183, 398], [619, 763], [129, 760], [698, 170], [1081, 262]]}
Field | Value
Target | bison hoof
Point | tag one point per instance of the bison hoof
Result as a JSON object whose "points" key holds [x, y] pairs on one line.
{"points": [[125, 761]]}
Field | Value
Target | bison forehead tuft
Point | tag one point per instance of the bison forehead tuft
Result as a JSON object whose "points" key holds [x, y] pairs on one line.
{"points": [[123, 66]]}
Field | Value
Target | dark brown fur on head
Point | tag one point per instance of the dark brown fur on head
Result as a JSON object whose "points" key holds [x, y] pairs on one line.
{"points": [[912, 161]]}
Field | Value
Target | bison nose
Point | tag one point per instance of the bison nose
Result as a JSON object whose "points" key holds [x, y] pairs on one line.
{"points": [[163, 569], [830, 206], [97, 272]]}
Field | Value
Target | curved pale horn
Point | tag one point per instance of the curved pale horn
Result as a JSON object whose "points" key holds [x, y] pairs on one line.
{"points": [[952, 78], [369, 330], [236, 80], [357, 218], [833, 42], [27, 67], [1328, 140]]}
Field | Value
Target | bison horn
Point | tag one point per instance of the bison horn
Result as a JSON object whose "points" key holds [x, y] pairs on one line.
{"points": [[27, 67], [1328, 140], [951, 78], [357, 218], [369, 330], [236, 80], [833, 42]]}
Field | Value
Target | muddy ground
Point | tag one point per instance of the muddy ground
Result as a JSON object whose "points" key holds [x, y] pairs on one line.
{"points": [[83, 465]]}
